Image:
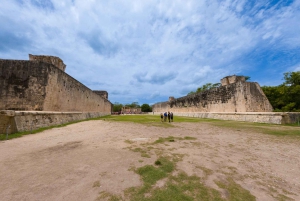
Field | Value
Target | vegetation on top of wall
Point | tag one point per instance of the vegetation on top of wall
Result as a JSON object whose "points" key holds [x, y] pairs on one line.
{"points": [[286, 96], [205, 87]]}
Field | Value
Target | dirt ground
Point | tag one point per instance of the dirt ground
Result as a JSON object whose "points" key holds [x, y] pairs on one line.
{"points": [[81, 160]]}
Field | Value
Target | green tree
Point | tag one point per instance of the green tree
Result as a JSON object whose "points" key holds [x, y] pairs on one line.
{"points": [[247, 77], [117, 107], [146, 108], [285, 97], [275, 95], [292, 78], [191, 92], [133, 105]]}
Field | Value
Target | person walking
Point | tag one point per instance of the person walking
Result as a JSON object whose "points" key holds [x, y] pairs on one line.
{"points": [[169, 116], [161, 117], [165, 116]]}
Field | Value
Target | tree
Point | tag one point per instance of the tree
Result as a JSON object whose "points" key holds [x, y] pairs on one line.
{"points": [[146, 108], [117, 107], [285, 97], [292, 78], [133, 105]]}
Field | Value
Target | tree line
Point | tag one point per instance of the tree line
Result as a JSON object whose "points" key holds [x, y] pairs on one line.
{"points": [[286, 96], [117, 107]]}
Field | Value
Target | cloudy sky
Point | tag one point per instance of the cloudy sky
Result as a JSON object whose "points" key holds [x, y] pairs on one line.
{"points": [[147, 50]]}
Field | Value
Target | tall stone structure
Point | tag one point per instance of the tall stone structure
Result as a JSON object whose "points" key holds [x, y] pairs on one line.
{"points": [[38, 93], [41, 84], [235, 95]]}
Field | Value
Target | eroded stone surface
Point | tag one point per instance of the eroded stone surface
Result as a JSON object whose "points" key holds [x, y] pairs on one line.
{"points": [[235, 95]]}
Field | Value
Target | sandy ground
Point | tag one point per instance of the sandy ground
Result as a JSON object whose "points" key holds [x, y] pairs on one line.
{"points": [[79, 161]]}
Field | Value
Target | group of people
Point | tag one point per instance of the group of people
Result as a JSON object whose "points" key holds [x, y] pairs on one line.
{"points": [[164, 116]]}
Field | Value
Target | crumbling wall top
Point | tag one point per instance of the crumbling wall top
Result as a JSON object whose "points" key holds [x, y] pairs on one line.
{"points": [[232, 79], [171, 98], [103, 94], [56, 61]]}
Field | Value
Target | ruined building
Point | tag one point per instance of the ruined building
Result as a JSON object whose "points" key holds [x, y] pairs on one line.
{"points": [[235, 95], [40, 84]]}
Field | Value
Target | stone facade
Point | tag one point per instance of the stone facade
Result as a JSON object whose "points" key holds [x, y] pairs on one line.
{"points": [[235, 95], [41, 86]]}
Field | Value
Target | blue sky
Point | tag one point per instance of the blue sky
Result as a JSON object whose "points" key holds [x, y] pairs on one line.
{"points": [[145, 51]]}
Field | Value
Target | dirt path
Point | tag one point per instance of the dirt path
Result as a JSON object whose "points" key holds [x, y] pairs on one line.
{"points": [[79, 161]]}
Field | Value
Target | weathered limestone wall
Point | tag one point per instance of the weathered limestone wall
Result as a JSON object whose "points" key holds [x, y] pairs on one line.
{"points": [[235, 97], [39, 86], [22, 84], [31, 120], [64, 93]]}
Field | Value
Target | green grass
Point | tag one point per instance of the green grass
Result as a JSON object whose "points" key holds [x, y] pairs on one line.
{"points": [[271, 129], [180, 186], [150, 174], [148, 119], [172, 139], [235, 191], [144, 153], [154, 120], [108, 196]]}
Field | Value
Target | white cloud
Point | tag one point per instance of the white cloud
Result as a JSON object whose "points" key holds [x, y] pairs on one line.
{"points": [[142, 49]]}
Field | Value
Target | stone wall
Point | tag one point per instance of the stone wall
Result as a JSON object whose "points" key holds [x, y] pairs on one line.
{"points": [[40, 86], [64, 93], [23, 84], [18, 121], [239, 96]]}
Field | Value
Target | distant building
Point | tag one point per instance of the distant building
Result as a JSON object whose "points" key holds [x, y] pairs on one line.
{"points": [[128, 110]]}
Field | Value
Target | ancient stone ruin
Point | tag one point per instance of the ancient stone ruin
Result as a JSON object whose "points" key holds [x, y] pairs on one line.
{"points": [[235, 95], [40, 84], [235, 100], [56, 61]]}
